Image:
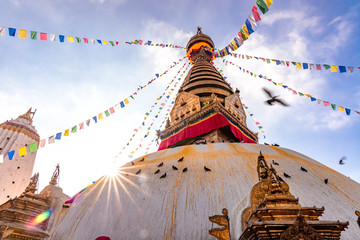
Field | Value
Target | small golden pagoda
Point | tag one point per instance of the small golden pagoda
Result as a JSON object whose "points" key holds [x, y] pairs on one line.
{"points": [[206, 109], [276, 214]]}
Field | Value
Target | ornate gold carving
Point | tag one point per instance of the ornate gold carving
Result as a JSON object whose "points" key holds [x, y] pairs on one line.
{"points": [[222, 220], [32, 187], [300, 230]]}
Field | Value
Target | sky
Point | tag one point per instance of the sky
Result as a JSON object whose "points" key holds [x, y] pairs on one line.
{"points": [[69, 83]]}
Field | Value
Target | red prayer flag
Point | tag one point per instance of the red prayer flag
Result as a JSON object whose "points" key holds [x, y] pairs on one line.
{"points": [[318, 66], [256, 14], [117, 43], [112, 110], [326, 104], [287, 63], [86, 40], [43, 36], [81, 125], [140, 42]]}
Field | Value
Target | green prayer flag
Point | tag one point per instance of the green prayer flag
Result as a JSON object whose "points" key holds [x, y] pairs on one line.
{"points": [[74, 129], [268, 60], [160, 108], [262, 5], [246, 107], [274, 83], [147, 114], [112, 43], [132, 96], [33, 147], [78, 39], [294, 63], [333, 106], [107, 113], [260, 127], [33, 35], [148, 128], [326, 66], [300, 94], [136, 42]]}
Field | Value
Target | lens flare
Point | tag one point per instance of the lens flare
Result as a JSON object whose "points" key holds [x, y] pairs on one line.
{"points": [[41, 217]]}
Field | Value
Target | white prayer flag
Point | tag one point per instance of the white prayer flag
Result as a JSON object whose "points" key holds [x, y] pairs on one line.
{"points": [[52, 37], [2, 31]]}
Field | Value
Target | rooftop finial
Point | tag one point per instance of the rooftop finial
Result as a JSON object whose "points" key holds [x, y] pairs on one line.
{"points": [[55, 176], [199, 30], [29, 115]]}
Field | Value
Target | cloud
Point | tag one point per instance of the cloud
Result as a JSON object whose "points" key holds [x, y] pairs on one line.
{"points": [[117, 2]]}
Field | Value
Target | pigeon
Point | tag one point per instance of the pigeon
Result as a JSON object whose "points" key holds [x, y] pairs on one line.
{"points": [[286, 175], [181, 159], [175, 168], [157, 171], [163, 176], [326, 181], [138, 172], [273, 98], [132, 163], [275, 163], [185, 169], [161, 164], [281, 179], [266, 143], [275, 145], [142, 160], [303, 169], [207, 169], [342, 161]]}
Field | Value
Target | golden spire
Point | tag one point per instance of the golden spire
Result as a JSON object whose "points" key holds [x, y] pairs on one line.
{"points": [[55, 176], [29, 115]]}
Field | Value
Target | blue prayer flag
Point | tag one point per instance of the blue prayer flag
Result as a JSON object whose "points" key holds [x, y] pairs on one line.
{"points": [[11, 154], [251, 114], [149, 42], [99, 41], [312, 99], [260, 76], [347, 111], [278, 62], [248, 26], [12, 32], [172, 102], [168, 96], [95, 119], [157, 75], [342, 69], [122, 104], [284, 86], [305, 66], [58, 136], [61, 38]]}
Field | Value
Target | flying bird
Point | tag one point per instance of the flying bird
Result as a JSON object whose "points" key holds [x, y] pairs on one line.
{"points": [[175, 168], [163, 176], [181, 159], [157, 171], [286, 175], [273, 98], [326, 181], [142, 160], [275, 163], [161, 164], [342, 161], [207, 169], [185, 169], [303, 169], [138, 172]]}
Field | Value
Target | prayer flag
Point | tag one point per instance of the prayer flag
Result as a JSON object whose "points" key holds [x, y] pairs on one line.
{"points": [[122, 104], [107, 113], [92, 40], [74, 129], [22, 34], [326, 104], [333, 106], [347, 111], [52, 37], [88, 122], [318, 101], [12, 32], [308, 95], [269, 2], [100, 116], [51, 139], [126, 101], [86, 40], [252, 21], [262, 5], [112, 110], [298, 65], [342, 69], [351, 69], [157, 75], [334, 68], [33, 147], [42, 143], [2, 31], [246, 31], [33, 35], [99, 41], [78, 39], [61, 38], [112, 43], [312, 99], [305, 66], [81, 125], [66, 133], [278, 62], [248, 26], [318, 66], [311, 66], [11, 154], [58, 136], [341, 109], [43, 36], [70, 39], [256, 14], [326, 66], [117, 106]]}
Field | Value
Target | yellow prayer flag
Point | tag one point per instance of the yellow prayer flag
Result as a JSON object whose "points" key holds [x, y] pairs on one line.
{"points": [[101, 116], [22, 34], [246, 31], [269, 3], [70, 39], [280, 84], [126, 101], [308, 95], [22, 151], [341, 109], [255, 75], [333, 68], [298, 65], [66, 133], [105, 42], [169, 92], [262, 131]]}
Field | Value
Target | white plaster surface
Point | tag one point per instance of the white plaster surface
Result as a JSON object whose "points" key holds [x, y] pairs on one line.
{"points": [[144, 206]]}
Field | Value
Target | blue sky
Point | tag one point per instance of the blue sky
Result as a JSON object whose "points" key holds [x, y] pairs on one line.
{"points": [[69, 83]]}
